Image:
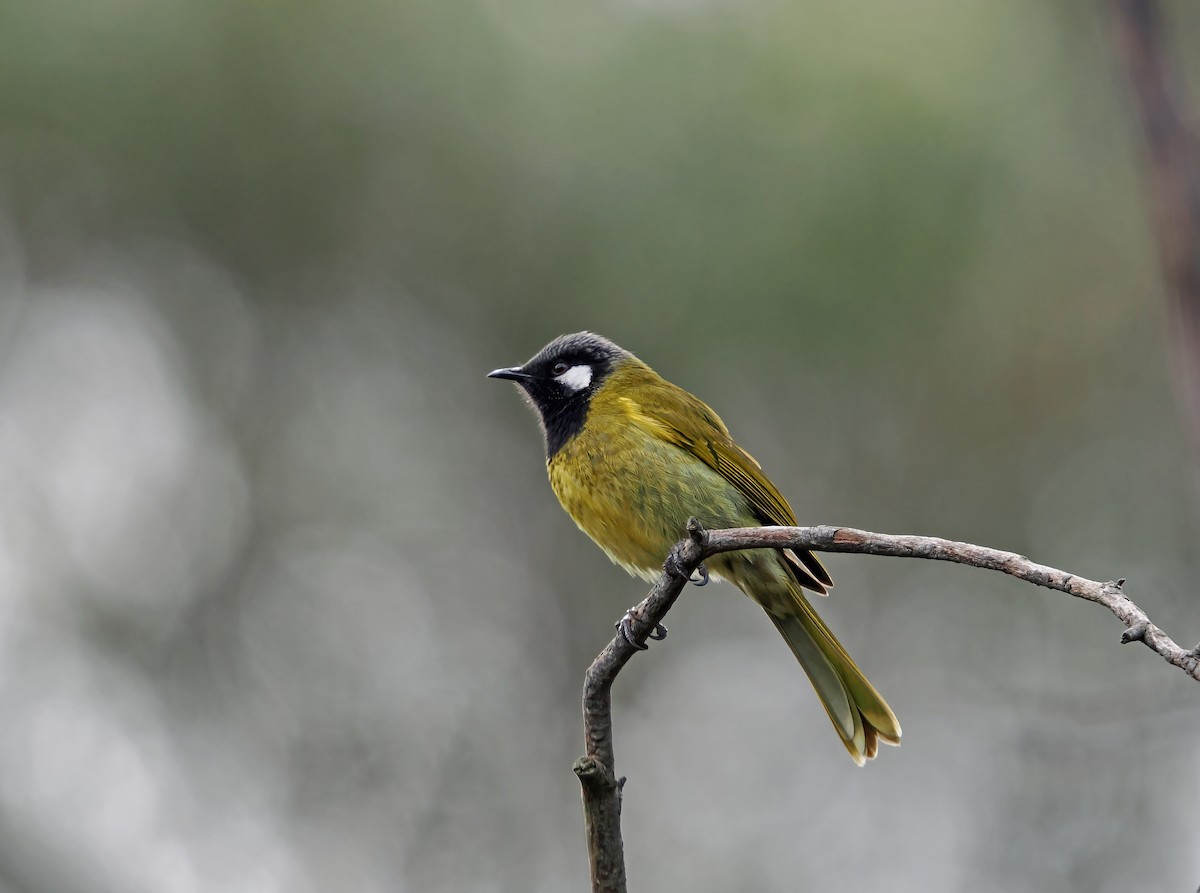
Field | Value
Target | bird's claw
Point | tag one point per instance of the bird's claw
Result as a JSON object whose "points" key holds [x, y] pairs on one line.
{"points": [[625, 627], [702, 579]]}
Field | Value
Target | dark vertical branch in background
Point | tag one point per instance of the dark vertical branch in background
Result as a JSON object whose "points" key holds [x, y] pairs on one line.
{"points": [[1171, 167]]}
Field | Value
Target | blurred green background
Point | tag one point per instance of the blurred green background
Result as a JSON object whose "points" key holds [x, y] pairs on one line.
{"points": [[286, 603]]}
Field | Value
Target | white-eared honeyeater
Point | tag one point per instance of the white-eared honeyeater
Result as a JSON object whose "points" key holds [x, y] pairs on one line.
{"points": [[632, 457]]}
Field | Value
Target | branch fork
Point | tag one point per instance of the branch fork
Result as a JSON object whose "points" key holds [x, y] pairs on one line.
{"points": [[602, 788]]}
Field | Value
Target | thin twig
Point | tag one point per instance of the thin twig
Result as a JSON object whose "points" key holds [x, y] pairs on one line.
{"points": [[602, 788]]}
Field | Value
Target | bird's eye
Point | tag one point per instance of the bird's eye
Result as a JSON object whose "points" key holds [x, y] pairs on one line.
{"points": [[560, 367]]}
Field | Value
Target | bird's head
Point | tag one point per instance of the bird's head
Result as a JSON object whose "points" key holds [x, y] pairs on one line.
{"points": [[560, 380]]}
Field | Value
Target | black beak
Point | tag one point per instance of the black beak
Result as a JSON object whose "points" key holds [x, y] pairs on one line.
{"points": [[516, 373]]}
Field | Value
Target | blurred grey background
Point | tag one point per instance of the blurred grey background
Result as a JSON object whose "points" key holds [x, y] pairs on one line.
{"points": [[286, 603]]}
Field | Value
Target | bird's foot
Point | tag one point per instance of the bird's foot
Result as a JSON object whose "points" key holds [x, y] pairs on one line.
{"points": [[675, 565], [625, 627]]}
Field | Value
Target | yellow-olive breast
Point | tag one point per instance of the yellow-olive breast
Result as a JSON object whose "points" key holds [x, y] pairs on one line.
{"points": [[628, 489]]}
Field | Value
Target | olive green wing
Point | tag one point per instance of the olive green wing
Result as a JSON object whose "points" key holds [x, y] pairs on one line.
{"points": [[677, 417]]}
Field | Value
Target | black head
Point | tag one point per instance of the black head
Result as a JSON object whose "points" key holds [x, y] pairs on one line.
{"points": [[561, 379]]}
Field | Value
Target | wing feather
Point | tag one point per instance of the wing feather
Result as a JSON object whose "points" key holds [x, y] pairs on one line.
{"points": [[679, 418]]}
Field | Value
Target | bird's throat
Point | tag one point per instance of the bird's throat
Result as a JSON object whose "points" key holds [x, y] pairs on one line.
{"points": [[562, 420]]}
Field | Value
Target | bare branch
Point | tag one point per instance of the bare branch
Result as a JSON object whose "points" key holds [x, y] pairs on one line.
{"points": [[602, 788], [847, 539]]}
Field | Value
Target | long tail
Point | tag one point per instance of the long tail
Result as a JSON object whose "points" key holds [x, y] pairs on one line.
{"points": [[859, 713]]}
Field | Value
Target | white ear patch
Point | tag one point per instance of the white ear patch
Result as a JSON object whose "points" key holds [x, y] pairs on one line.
{"points": [[576, 378]]}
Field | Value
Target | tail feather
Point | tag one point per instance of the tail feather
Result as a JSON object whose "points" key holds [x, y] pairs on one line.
{"points": [[859, 713], [824, 676], [871, 742]]}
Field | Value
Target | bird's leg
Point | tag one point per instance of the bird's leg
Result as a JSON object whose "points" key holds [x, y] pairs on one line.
{"points": [[674, 565], [625, 627]]}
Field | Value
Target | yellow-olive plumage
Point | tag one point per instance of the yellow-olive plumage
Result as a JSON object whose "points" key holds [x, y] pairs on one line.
{"points": [[632, 457]]}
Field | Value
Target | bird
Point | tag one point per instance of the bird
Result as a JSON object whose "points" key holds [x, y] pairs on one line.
{"points": [[632, 457]]}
